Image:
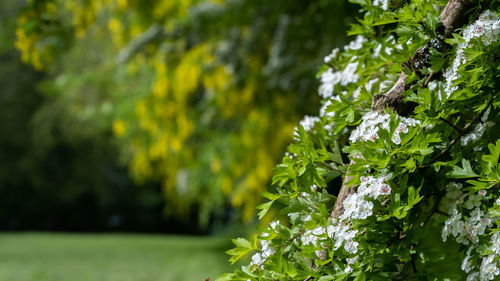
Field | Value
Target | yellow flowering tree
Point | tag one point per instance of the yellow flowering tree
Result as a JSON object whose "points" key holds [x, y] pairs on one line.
{"points": [[203, 94]]}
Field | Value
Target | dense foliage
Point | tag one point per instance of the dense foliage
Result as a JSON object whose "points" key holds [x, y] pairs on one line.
{"points": [[417, 178], [203, 94]]}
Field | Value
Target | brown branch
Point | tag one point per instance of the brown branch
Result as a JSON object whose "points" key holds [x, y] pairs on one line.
{"points": [[451, 17], [345, 191], [392, 98]]}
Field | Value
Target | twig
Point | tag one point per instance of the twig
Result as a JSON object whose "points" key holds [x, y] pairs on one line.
{"points": [[428, 80], [451, 124]]}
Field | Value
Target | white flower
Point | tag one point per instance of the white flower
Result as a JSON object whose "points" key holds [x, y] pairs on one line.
{"points": [[452, 225], [309, 238], [453, 197], [266, 249], [384, 4], [351, 246], [274, 224], [474, 135], [376, 51], [319, 231], [352, 260], [256, 259], [308, 122]]}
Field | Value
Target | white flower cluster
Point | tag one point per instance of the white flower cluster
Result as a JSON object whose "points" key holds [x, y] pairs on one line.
{"points": [[265, 250], [322, 110], [464, 231], [487, 27], [356, 206], [478, 130], [342, 234], [311, 236], [348, 75], [467, 229], [308, 123], [356, 44], [332, 55], [384, 4], [487, 271], [349, 262], [331, 78], [373, 121], [339, 232]]}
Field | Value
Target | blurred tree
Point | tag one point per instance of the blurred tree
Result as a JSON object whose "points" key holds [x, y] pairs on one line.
{"points": [[58, 169], [203, 94]]}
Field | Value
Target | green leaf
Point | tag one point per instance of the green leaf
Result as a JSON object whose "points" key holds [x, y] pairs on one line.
{"points": [[264, 208], [465, 172], [271, 196], [243, 247]]}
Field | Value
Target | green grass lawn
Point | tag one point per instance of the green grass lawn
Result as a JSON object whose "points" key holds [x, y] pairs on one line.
{"points": [[110, 257]]}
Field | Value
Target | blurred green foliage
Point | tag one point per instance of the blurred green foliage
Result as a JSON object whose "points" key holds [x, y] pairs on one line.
{"points": [[202, 95], [49, 256], [58, 171]]}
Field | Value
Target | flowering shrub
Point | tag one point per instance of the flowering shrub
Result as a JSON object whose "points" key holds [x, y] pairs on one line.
{"points": [[398, 177]]}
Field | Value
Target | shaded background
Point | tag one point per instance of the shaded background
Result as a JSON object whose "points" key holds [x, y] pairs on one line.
{"points": [[148, 116]]}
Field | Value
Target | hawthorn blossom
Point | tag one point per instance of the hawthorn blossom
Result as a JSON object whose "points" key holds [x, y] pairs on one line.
{"points": [[466, 263], [356, 44], [324, 107], [308, 122], [488, 269], [332, 55], [466, 231], [474, 135], [495, 243], [373, 121], [328, 80], [487, 27], [384, 4]]}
